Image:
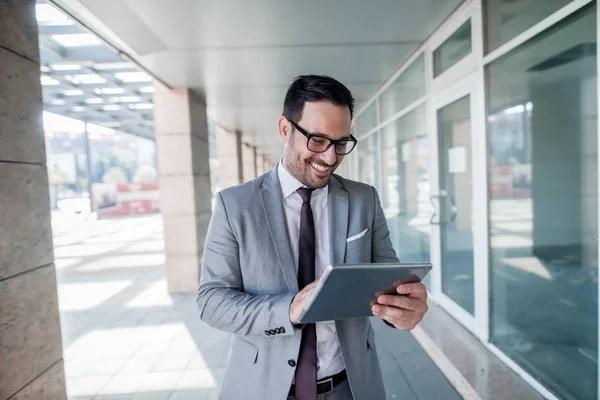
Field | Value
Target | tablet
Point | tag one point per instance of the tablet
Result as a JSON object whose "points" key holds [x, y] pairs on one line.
{"points": [[349, 290]]}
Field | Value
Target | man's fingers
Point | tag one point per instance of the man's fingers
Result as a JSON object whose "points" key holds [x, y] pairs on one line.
{"points": [[393, 313], [412, 304], [417, 290]]}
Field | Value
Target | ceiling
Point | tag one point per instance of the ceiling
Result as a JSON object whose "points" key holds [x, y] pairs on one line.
{"points": [[86, 82], [242, 55]]}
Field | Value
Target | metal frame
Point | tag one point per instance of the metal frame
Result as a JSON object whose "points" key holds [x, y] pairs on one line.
{"points": [[461, 89], [535, 30]]}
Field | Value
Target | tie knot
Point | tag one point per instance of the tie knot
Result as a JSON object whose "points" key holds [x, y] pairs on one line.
{"points": [[305, 194]]}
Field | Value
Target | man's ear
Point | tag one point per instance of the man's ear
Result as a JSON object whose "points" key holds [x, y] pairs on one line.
{"points": [[285, 130]]}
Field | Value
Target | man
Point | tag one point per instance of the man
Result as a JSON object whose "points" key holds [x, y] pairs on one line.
{"points": [[271, 237]]}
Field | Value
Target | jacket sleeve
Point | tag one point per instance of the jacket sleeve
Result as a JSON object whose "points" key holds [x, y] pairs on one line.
{"points": [[221, 299]]}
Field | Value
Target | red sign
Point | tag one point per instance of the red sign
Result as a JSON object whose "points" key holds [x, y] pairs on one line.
{"points": [[134, 199]]}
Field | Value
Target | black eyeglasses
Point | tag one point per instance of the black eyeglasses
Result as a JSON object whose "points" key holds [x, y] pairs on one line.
{"points": [[320, 143]]}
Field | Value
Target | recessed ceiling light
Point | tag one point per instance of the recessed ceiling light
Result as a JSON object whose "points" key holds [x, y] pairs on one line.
{"points": [[146, 89], [108, 66], [76, 39], [94, 100], [47, 81], [65, 67], [111, 107], [47, 13], [88, 79], [73, 92], [133, 76]]}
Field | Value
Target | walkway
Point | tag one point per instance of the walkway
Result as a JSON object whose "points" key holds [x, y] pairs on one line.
{"points": [[126, 338]]}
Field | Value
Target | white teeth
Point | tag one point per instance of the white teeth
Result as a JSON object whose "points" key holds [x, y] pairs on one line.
{"points": [[319, 167]]}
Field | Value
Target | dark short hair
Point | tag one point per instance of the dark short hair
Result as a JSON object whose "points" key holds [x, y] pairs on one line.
{"points": [[313, 88]]}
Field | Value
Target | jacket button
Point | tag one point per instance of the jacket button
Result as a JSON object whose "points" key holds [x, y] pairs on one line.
{"points": [[267, 333], [292, 363], [282, 330]]}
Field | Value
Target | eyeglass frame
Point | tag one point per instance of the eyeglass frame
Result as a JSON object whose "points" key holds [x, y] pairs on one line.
{"points": [[331, 141]]}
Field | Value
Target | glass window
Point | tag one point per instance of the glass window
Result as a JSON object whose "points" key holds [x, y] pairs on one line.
{"points": [[543, 160], [455, 199], [366, 121], [406, 89], [406, 177], [454, 49], [368, 163], [504, 20]]}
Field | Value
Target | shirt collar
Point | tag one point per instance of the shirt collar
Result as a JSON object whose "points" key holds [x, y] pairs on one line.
{"points": [[289, 184]]}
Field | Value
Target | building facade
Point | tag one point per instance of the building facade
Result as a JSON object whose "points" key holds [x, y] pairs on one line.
{"points": [[483, 147]]}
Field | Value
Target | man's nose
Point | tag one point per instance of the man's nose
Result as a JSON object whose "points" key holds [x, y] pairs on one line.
{"points": [[329, 156]]}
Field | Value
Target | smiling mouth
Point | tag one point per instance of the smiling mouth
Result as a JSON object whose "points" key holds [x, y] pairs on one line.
{"points": [[320, 169]]}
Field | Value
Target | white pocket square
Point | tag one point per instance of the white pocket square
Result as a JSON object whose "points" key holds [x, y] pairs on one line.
{"points": [[358, 236]]}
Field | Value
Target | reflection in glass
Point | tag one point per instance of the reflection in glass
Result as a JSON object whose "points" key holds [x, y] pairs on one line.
{"points": [[406, 194], [368, 163], [406, 89], [504, 20], [454, 49], [456, 200], [543, 160]]}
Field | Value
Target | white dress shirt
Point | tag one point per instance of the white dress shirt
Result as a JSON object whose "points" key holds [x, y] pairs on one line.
{"points": [[329, 354]]}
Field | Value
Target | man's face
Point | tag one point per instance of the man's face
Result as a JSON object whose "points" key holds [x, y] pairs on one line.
{"points": [[321, 118]]}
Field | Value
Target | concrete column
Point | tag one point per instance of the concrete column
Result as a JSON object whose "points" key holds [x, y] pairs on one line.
{"points": [[184, 174], [249, 171], [260, 165], [229, 154], [31, 362], [255, 161], [268, 165]]}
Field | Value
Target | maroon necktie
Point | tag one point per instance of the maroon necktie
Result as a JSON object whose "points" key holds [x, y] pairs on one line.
{"points": [[306, 371]]}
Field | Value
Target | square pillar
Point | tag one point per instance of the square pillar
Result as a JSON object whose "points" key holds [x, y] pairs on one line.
{"points": [[181, 131], [31, 360], [229, 146], [249, 169]]}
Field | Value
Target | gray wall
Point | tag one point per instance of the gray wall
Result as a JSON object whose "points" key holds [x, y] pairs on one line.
{"points": [[31, 364]]}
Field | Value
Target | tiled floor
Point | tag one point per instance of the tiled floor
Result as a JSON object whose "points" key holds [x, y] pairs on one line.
{"points": [[125, 337]]}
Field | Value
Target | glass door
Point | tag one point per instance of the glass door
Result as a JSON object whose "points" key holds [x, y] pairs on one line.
{"points": [[453, 202]]}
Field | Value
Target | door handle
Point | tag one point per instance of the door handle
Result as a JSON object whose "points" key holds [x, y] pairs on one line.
{"points": [[433, 213], [453, 209]]}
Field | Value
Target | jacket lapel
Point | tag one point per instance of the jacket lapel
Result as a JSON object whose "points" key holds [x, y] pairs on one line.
{"points": [[337, 206], [272, 200]]}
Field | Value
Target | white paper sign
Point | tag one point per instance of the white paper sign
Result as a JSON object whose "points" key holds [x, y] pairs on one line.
{"points": [[457, 160]]}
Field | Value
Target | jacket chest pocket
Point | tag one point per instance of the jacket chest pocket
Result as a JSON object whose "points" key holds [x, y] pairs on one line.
{"points": [[359, 250]]}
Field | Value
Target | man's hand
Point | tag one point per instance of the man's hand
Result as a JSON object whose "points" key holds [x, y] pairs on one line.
{"points": [[300, 300], [405, 309]]}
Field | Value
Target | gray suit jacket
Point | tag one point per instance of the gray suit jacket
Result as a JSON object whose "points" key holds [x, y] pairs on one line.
{"points": [[249, 278]]}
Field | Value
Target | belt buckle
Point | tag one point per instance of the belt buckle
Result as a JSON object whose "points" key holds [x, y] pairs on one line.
{"points": [[328, 380]]}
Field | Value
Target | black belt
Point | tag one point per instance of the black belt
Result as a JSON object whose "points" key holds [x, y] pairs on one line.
{"points": [[326, 385]]}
